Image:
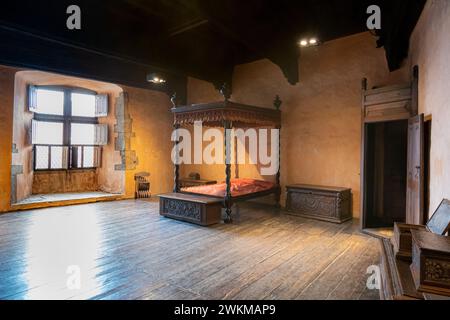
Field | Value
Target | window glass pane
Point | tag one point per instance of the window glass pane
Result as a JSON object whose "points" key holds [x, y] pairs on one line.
{"points": [[79, 157], [82, 134], [50, 102], [56, 158], [49, 132], [41, 157], [83, 105], [88, 157]]}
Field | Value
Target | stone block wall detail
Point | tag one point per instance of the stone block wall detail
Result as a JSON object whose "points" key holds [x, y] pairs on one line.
{"points": [[15, 170], [124, 132]]}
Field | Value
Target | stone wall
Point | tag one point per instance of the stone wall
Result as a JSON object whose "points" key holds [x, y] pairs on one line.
{"points": [[147, 139]]}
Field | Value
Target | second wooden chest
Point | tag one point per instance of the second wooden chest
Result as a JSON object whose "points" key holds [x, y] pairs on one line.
{"points": [[319, 202]]}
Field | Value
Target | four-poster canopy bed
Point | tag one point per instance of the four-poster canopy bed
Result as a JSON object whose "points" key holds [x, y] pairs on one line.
{"points": [[202, 204]]}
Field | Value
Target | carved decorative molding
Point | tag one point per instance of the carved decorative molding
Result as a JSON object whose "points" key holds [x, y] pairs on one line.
{"points": [[215, 114], [183, 209], [342, 201], [437, 270], [313, 204], [430, 265], [323, 203]]}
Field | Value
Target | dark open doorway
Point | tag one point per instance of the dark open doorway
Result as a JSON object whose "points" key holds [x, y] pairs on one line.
{"points": [[427, 154], [385, 173]]}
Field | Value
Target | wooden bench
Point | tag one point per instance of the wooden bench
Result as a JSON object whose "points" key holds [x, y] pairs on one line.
{"points": [[196, 209]]}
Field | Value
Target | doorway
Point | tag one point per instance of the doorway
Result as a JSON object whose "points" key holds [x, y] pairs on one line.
{"points": [[426, 172], [385, 173]]}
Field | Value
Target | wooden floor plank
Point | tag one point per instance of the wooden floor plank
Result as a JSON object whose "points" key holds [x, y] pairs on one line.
{"points": [[126, 250]]}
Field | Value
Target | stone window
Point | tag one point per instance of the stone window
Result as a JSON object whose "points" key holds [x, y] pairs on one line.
{"points": [[65, 132]]}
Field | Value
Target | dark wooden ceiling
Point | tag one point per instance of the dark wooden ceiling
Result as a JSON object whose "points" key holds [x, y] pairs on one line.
{"points": [[122, 41]]}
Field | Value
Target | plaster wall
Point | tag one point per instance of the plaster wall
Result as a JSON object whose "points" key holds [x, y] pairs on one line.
{"points": [[430, 50], [321, 115], [6, 130], [152, 128]]}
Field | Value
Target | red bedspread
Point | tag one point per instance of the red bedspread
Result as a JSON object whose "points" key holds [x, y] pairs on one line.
{"points": [[239, 187]]}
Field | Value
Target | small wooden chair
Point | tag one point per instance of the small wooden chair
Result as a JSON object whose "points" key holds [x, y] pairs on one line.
{"points": [[142, 189]]}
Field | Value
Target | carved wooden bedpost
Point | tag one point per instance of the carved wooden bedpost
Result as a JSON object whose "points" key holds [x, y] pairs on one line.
{"points": [[176, 126], [228, 198], [225, 92], [277, 104]]}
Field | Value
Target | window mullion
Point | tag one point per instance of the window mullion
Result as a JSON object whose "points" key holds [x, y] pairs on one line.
{"points": [[82, 157], [49, 157], [67, 126]]}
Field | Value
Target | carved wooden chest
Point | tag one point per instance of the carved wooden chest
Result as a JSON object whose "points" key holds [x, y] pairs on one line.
{"points": [[402, 240], [431, 262], [319, 202], [196, 209], [439, 224]]}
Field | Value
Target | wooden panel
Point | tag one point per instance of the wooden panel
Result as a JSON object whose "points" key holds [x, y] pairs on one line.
{"points": [[214, 114], [65, 181], [396, 279], [415, 169], [387, 103], [385, 89], [388, 112], [312, 204], [402, 240], [430, 265], [402, 94], [191, 208]]}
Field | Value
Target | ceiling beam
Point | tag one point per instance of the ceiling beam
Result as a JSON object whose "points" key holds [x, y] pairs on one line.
{"points": [[187, 27], [398, 25], [286, 58], [46, 54]]}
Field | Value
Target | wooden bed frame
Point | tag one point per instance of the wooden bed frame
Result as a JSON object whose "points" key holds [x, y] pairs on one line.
{"points": [[228, 115]]}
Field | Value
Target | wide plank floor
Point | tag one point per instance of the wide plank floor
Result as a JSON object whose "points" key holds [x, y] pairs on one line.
{"points": [[125, 250]]}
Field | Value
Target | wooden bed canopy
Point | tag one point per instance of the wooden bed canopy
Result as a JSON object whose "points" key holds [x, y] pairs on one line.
{"points": [[227, 115], [218, 113]]}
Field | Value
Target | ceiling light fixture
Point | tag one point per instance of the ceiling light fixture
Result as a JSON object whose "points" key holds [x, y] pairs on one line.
{"points": [[154, 78], [304, 43], [308, 42]]}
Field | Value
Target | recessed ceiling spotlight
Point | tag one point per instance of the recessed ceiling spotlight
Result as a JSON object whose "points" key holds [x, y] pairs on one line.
{"points": [[308, 42], [154, 78]]}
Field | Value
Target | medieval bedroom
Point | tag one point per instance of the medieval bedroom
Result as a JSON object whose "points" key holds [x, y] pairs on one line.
{"points": [[225, 150]]}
